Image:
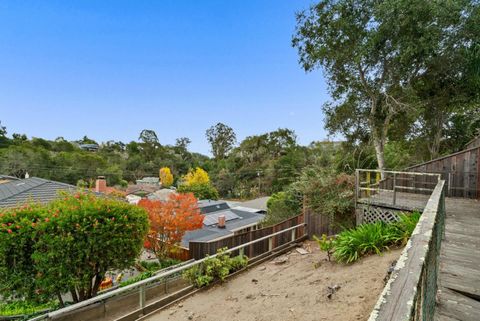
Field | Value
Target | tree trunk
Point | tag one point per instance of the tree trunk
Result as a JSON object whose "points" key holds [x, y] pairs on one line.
{"points": [[96, 285], [74, 295], [379, 145], [436, 135], [60, 299]]}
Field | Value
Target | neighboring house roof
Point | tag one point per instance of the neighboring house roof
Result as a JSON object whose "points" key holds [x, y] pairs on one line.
{"points": [[235, 220], [142, 189], [133, 199], [7, 178], [258, 203], [18, 192], [91, 147], [208, 206], [161, 195], [149, 180]]}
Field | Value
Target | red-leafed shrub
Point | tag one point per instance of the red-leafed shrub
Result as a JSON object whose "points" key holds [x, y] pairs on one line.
{"points": [[170, 220]]}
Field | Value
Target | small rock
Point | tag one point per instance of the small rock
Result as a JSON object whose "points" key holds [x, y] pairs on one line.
{"points": [[262, 268], [250, 297], [180, 305], [190, 317], [301, 250], [281, 259], [255, 281], [360, 296]]}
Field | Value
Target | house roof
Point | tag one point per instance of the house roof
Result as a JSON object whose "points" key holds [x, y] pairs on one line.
{"points": [[209, 206], [142, 188], [17, 192], [161, 195], [240, 219], [7, 178]]}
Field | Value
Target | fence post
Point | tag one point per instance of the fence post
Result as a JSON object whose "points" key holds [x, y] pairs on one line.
{"points": [[394, 189], [242, 252], [141, 292], [270, 244], [357, 183], [293, 235], [449, 183]]}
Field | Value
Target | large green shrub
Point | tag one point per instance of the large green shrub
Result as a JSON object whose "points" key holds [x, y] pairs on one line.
{"points": [[68, 245], [281, 206], [327, 193], [83, 237], [218, 267], [17, 240], [202, 191]]}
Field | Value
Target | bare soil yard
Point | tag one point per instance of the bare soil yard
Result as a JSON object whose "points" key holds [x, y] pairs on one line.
{"points": [[294, 290]]}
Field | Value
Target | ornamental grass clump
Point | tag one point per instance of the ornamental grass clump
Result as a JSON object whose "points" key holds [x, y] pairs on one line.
{"points": [[374, 238]]}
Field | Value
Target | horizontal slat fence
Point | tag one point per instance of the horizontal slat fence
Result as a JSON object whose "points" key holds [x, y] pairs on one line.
{"points": [[198, 250], [461, 172]]}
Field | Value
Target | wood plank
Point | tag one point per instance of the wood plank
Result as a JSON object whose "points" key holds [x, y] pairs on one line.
{"points": [[457, 306], [463, 283]]}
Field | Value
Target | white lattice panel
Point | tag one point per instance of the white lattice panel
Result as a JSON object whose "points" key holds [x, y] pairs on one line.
{"points": [[371, 214]]}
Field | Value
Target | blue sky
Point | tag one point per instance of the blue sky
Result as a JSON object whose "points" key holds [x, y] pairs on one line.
{"points": [[109, 69]]}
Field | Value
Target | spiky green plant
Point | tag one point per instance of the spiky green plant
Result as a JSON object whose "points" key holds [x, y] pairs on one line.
{"points": [[363, 240]]}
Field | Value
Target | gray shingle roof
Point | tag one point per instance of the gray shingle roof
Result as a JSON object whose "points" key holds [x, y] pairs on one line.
{"points": [[208, 233], [31, 189]]}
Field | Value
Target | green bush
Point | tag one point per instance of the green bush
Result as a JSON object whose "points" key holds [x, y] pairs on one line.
{"points": [[328, 193], [67, 246], [155, 266], [135, 279], [281, 206], [399, 232], [25, 307], [202, 191], [326, 244], [355, 243], [373, 238], [17, 242], [213, 268]]}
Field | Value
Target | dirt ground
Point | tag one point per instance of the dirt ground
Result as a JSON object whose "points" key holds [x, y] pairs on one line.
{"points": [[294, 290]]}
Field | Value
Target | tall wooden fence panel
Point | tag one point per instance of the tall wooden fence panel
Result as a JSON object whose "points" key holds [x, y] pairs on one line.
{"points": [[198, 250], [461, 172]]}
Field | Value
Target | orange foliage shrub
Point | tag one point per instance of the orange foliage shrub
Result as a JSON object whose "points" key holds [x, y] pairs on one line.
{"points": [[170, 220]]}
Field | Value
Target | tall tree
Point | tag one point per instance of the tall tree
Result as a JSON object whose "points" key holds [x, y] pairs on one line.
{"points": [[345, 38], [222, 138], [149, 143]]}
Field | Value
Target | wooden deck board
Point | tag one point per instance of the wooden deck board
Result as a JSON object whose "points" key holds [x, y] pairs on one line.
{"points": [[455, 306], [460, 262], [404, 201]]}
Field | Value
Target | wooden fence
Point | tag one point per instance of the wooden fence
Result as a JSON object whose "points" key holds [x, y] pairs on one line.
{"points": [[410, 293], [461, 172], [318, 224], [198, 250]]}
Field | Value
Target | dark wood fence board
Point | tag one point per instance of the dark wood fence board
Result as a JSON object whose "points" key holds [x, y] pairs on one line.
{"points": [[198, 250], [461, 171]]}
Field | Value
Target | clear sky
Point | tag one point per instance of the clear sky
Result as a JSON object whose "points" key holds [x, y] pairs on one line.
{"points": [[109, 69]]}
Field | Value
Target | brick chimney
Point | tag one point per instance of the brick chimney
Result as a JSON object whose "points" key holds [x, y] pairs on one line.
{"points": [[221, 221], [101, 185]]}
